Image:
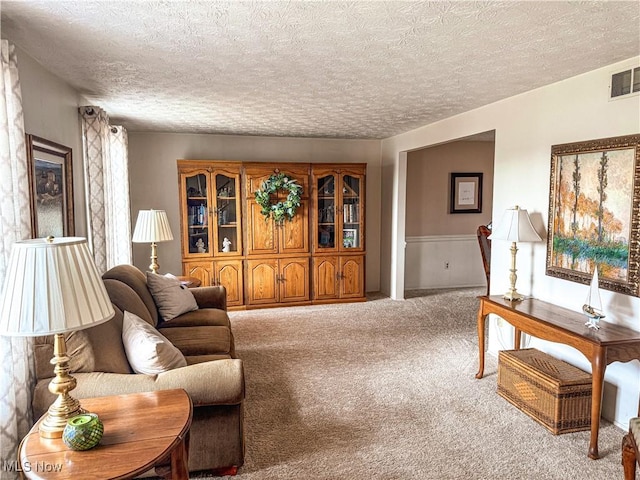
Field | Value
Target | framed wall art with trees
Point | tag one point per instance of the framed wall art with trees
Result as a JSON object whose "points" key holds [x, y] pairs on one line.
{"points": [[594, 213]]}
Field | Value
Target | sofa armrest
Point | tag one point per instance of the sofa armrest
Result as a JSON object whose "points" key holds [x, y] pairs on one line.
{"points": [[210, 297], [220, 382]]}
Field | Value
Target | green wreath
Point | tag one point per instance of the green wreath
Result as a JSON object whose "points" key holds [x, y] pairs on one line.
{"points": [[281, 210]]}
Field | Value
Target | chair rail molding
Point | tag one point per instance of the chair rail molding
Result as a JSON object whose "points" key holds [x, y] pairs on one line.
{"points": [[442, 238], [443, 261]]}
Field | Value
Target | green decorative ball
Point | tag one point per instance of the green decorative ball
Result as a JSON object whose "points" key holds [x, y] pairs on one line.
{"points": [[83, 432]]}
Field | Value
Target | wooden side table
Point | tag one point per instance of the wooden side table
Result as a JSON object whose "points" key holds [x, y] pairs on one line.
{"points": [[141, 431], [190, 282]]}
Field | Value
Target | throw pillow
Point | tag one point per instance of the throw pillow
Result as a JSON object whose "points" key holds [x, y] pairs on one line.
{"points": [[95, 349], [148, 351], [171, 297]]}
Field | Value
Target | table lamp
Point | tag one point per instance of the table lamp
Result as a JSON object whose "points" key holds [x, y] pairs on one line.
{"points": [[152, 226], [52, 286], [515, 226]]}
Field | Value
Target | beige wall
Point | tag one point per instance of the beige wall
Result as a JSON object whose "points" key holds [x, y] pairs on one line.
{"points": [[154, 179], [51, 111], [428, 187]]}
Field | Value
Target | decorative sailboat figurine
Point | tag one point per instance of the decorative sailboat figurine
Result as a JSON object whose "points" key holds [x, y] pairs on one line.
{"points": [[593, 305]]}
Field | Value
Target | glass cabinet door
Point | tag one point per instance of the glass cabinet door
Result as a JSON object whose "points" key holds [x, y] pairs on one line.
{"points": [[326, 212], [352, 231], [197, 231], [227, 214]]}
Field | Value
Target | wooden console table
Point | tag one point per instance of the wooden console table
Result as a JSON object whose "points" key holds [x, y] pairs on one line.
{"points": [[612, 343], [141, 430]]}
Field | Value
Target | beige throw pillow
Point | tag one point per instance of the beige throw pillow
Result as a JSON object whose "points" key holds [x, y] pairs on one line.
{"points": [[147, 350], [171, 297]]}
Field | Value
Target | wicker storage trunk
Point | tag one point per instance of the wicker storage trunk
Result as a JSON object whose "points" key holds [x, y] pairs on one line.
{"points": [[552, 392]]}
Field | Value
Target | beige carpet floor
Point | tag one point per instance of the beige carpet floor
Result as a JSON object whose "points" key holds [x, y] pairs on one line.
{"points": [[386, 390]]}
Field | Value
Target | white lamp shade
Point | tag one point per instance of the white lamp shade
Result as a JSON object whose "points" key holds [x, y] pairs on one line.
{"points": [[152, 226], [515, 226], [52, 286]]}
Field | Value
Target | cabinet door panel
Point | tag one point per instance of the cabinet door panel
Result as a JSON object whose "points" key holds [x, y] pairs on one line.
{"points": [[256, 174], [301, 175], [254, 182], [229, 275], [262, 283], [325, 211], [325, 278], [195, 205], [352, 277], [261, 234], [352, 212], [203, 271], [227, 210], [294, 280], [294, 234]]}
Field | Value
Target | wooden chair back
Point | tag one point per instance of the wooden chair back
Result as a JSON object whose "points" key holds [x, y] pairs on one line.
{"points": [[485, 250]]}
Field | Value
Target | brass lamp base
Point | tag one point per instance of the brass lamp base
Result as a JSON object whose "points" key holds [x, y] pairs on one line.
{"points": [[65, 405], [153, 267], [59, 412], [513, 296]]}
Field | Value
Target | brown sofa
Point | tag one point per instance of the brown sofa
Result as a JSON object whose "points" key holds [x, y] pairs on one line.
{"points": [[213, 376]]}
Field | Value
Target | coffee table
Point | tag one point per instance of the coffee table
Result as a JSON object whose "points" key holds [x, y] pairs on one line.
{"points": [[141, 431]]}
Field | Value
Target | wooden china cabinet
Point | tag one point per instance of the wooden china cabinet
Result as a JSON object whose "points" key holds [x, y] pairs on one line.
{"points": [[317, 257], [338, 231], [210, 204]]}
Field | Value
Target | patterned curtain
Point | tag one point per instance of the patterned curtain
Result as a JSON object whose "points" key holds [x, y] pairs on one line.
{"points": [[16, 354], [107, 185]]}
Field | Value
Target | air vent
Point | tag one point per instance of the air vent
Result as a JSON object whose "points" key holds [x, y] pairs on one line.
{"points": [[625, 83]]}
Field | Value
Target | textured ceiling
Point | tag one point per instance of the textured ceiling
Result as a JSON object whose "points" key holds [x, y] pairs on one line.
{"points": [[357, 69]]}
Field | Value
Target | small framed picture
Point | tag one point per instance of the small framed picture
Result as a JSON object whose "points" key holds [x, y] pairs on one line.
{"points": [[349, 238], [50, 188], [466, 193]]}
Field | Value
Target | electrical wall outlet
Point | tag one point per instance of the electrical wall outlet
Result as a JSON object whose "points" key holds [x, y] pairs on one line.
{"points": [[446, 265]]}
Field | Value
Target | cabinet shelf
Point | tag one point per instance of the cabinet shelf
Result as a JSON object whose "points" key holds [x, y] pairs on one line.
{"points": [[200, 199]]}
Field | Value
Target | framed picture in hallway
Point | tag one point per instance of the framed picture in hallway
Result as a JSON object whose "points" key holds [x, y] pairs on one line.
{"points": [[50, 188], [466, 193], [594, 213]]}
